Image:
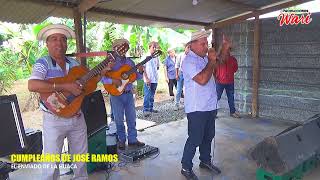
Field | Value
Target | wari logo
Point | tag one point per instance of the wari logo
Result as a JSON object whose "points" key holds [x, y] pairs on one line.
{"points": [[294, 17]]}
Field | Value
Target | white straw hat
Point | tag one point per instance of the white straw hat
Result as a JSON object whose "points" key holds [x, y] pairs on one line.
{"points": [[199, 34], [55, 29]]}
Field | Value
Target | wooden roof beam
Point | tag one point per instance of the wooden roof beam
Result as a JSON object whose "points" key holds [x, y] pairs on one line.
{"points": [[85, 5], [53, 3]]}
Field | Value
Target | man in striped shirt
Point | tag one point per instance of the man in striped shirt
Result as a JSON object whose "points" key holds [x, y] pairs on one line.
{"points": [[56, 128]]}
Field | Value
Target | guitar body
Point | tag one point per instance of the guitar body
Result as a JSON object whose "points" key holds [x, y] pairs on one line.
{"points": [[65, 104], [117, 91]]}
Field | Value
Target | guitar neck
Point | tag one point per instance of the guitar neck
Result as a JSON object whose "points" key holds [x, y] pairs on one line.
{"points": [[95, 71], [134, 69]]}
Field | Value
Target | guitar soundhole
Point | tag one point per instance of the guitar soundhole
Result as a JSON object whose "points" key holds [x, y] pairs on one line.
{"points": [[124, 76]]}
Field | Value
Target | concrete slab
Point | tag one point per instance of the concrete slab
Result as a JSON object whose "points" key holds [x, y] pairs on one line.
{"points": [[143, 124], [234, 137]]}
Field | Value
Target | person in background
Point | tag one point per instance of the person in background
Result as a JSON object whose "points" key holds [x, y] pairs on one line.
{"points": [[179, 76], [150, 78], [226, 67], [170, 72]]}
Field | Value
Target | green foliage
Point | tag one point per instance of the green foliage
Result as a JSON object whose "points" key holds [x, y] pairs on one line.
{"points": [[109, 36], [9, 70], [164, 47], [30, 52], [140, 87], [136, 48], [180, 30], [16, 60], [38, 27]]}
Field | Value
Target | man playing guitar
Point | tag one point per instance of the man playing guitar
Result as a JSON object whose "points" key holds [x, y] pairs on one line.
{"points": [[56, 128], [124, 105]]}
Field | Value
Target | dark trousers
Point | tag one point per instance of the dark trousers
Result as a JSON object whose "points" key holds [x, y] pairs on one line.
{"points": [[230, 94], [201, 131], [172, 82]]}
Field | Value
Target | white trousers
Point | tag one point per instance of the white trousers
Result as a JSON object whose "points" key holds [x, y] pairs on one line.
{"points": [[55, 129]]}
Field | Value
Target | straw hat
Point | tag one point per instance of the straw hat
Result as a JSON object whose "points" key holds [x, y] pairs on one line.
{"points": [[118, 42], [54, 29], [199, 34]]}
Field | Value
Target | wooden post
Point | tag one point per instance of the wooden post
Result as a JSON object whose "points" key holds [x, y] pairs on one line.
{"points": [[214, 39], [79, 35], [256, 68]]}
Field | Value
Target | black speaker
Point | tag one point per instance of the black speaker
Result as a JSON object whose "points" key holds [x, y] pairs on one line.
{"points": [[94, 111], [34, 141], [282, 153], [12, 135]]}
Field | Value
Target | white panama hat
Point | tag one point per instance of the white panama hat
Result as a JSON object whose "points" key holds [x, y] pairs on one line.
{"points": [[45, 32], [199, 34]]}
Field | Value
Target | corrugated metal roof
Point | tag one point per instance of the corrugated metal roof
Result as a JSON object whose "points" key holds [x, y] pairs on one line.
{"points": [[206, 11], [162, 13]]}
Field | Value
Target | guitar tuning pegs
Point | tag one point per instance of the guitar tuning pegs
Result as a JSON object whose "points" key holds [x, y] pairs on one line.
{"points": [[110, 56]]}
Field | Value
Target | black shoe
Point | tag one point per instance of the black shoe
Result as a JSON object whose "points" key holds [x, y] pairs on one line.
{"points": [[210, 167], [155, 111], [189, 174], [121, 145], [137, 144]]}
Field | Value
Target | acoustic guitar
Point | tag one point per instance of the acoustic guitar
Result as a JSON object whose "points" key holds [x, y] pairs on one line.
{"points": [[64, 103], [126, 74]]}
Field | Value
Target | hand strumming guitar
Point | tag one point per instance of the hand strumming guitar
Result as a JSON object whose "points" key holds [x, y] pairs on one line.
{"points": [[74, 88], [108, 68], [116, 82]]}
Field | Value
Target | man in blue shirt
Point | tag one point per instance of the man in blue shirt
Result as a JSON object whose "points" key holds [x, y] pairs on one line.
{"points": [[200, 103], [124, 104]]}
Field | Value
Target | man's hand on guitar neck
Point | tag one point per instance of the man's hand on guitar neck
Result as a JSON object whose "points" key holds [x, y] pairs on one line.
{"points": [[140, 69]]}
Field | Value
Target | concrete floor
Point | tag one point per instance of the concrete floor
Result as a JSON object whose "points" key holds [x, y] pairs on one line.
{"points": [[234, 137]]}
